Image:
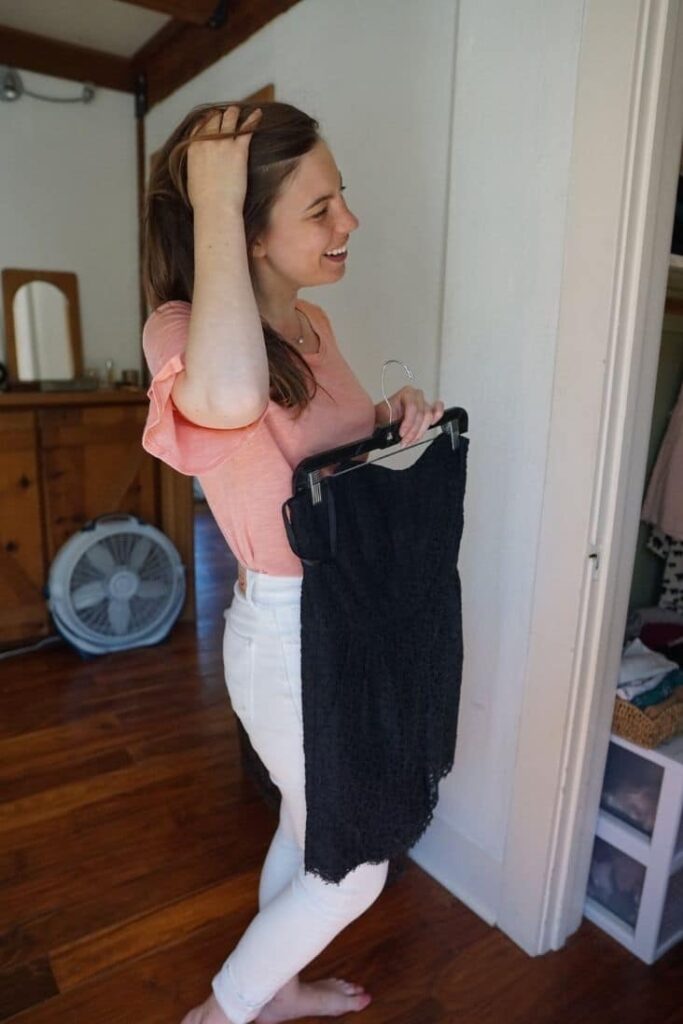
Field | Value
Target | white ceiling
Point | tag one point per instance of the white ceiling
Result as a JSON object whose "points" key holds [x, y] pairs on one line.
{"points": [[109, 25]]}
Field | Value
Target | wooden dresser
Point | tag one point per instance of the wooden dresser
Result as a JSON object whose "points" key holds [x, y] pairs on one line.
{"points": [[65, 458]]}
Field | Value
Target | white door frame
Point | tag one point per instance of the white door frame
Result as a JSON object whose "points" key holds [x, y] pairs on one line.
{"points": [[625, 161]]}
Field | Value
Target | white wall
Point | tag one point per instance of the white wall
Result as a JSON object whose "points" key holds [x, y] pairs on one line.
{"points": [[68, 201], [452, 124], [515, 84], [377, 75]]}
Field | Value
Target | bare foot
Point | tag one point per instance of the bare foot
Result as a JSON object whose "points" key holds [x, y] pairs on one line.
{"points": [[330, 997], [208, 1013]]}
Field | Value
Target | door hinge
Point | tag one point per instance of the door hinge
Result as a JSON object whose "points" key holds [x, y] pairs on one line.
{"points": [[594, 553]]}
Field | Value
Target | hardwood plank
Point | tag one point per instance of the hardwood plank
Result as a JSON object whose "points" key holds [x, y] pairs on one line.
{"points": [[57, 801], [76, 962], [163, 879], [47, 758], [132, 844], [25, 986]]}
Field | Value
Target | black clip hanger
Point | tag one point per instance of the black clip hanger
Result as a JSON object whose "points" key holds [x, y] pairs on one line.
{"points": [[308, 472], [333, 462], [311, 499]]}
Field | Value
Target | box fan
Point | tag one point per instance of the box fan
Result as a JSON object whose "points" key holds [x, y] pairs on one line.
{"points": [[118, 583]]}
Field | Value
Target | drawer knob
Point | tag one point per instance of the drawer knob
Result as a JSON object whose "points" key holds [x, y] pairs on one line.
{"points": [[24, 481]]}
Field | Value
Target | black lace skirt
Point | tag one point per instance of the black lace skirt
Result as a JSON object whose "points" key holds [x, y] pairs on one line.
{"points": [[381, 652]]}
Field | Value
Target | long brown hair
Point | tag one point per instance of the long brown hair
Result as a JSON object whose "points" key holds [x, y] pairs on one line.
{"points": [[279, 140]]}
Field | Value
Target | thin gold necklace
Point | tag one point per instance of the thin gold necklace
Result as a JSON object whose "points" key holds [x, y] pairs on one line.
{"points": [[301, 339]]}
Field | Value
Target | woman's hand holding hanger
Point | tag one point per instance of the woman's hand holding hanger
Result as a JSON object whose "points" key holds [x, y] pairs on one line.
{"points": [[409, 405]]}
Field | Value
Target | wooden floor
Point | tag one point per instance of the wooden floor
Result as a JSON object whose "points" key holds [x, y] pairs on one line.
{"points": [[131, 843]]}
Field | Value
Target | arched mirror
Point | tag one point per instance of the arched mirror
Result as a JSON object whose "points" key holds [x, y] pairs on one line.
{"points": [[42, 325]]}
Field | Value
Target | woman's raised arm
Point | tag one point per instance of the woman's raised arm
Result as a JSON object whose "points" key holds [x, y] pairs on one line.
{"points": [[226, 380]]}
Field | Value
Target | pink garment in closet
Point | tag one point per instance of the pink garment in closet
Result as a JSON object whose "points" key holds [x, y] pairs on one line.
{"points": [[246, 472], [663, 505]]}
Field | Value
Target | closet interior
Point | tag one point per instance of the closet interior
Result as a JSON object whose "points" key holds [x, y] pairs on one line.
{"points": [[635, 885]]}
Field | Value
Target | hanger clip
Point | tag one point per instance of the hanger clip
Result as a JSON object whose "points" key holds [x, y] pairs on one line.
{"points": [[314, 486], [452, 428]]}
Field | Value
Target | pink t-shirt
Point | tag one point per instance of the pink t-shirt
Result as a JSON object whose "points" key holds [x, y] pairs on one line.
{"points": [[246, 472]]}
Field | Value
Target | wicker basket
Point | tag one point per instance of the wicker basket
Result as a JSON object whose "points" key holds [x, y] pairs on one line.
{"points": [[651, 726]]}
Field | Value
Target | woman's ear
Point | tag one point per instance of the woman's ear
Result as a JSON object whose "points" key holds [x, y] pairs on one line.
{"points": [[257, 249]]}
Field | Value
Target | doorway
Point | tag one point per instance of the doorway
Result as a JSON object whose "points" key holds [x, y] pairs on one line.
{"points": [[626, 152]]}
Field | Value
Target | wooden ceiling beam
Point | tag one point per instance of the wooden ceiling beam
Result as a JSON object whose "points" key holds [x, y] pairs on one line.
{"points": [[178, 53], [30, 52], [195, 12]]}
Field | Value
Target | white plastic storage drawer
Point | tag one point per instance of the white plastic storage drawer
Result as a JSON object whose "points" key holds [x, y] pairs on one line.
{"points": [[616, 881], [631, 788], [635, 883]]}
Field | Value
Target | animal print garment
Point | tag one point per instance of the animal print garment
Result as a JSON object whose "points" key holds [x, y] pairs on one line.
{"points": [[671, 550]]}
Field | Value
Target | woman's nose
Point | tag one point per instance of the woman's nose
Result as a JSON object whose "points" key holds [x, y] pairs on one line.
{"points": [[349, 221]]}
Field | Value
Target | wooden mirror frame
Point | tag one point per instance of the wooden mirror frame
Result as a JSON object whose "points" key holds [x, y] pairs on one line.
{"points": [[67, 282]]}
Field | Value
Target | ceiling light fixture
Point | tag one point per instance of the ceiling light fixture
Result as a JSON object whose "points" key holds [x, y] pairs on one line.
{"points": [[12, 88]]}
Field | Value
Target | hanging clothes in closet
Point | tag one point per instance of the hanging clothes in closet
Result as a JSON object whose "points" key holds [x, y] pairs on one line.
{"points": [[663, 509], [381, 652]]}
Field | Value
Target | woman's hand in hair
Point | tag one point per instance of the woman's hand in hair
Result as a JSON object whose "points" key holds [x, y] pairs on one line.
{"points": [[217, 168]]}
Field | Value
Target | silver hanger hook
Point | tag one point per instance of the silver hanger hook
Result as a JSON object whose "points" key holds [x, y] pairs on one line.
{"points": [[384, 394]]}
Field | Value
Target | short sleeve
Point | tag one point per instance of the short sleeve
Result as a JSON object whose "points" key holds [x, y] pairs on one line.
{"points": [[185, 446]]}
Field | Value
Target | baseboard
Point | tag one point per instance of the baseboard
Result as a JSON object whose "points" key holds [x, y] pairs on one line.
{"points": [[465, 869]]}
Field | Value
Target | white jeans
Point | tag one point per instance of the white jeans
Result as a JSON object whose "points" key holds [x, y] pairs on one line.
{"points": [[299, 913]]}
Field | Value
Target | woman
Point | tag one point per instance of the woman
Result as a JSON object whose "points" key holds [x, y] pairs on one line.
{"points": [[244, 208]]}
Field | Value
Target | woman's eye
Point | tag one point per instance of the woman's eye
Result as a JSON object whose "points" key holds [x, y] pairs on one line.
{"points": [[323, 212]]}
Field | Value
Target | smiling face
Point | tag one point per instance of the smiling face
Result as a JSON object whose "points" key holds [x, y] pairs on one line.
{"points": [[309, 218]]}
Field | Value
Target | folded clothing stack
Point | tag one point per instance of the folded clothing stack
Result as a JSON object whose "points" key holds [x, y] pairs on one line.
{"points": [[646, 677]]}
